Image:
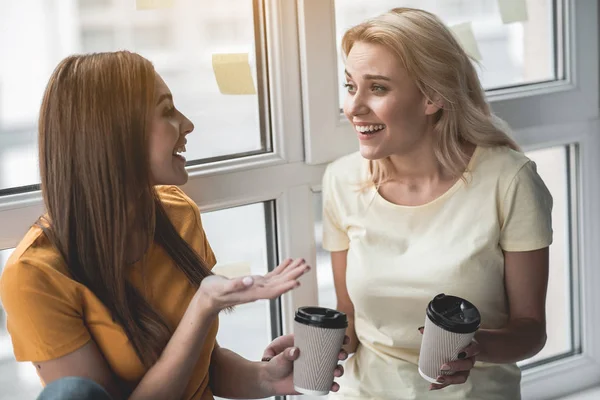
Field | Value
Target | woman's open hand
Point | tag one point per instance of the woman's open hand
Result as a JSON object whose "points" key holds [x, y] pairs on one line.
{"points": [[220, 292]]}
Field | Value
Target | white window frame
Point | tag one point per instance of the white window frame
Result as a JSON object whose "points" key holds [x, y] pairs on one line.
{"points": [[307, 132]]}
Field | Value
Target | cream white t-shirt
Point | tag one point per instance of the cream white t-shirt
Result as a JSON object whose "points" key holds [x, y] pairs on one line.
{"points": [[400, 257]]}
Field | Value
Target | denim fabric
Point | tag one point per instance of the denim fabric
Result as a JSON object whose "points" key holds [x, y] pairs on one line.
{"points": [[74, 388]]}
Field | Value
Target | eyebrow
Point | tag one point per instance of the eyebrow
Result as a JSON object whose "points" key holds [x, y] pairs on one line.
{"points": [[166, 96], [371, 77]]}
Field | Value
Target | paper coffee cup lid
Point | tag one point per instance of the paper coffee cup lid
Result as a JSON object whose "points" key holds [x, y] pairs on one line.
{"points": [[321, 317], [454, 314]]}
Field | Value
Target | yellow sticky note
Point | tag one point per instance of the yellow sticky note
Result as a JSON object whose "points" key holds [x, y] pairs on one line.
{"points": [[153, 4], [464, 35], [233, 270], [232, 72], [513, 10]]}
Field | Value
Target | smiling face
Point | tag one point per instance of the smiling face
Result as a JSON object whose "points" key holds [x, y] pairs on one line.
{"points": [[168, 129], [389, 113]]}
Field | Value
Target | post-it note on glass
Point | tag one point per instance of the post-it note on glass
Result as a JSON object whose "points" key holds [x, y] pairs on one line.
{"points": [[233, 270], [153, 4], [232, 72], [464, 35], [513, 10]]}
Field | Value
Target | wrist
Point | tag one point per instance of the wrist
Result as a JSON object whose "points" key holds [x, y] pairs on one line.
{"points": [[265, 380], [204, 305]]}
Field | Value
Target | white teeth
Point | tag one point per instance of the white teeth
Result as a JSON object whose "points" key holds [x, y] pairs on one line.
{"points": [[178, 150], [369, 128]]}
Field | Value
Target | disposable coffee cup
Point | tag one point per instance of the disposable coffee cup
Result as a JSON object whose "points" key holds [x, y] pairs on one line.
{"points": [[319, 335], [450, 324]]}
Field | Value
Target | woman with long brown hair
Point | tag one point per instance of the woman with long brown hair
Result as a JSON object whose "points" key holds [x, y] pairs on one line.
{"points": [[111, 292], [439, 199]]}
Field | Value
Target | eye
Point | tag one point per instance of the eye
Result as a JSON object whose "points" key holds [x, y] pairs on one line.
{"points": [[169, 112], [378, 89], [349, 87]]}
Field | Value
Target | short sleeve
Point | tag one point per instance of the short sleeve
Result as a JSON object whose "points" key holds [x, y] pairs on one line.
{"points": [[526, 212], [190, 227], [44, 316], [335, 237], [204, 246]]}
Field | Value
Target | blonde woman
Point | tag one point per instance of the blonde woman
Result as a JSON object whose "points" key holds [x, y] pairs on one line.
{"points": [[439, 199]]}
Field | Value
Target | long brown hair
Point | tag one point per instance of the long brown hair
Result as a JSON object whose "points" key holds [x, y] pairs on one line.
{"points": [[440, 68], [95, 179]]}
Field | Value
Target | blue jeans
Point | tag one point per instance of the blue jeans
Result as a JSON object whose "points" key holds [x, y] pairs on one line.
{"points": [[74, 388]]}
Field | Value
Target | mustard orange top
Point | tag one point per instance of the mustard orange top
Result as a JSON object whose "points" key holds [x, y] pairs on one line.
{"points": [[50, 315]]}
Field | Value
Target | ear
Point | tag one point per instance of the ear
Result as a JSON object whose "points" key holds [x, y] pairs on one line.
{"points": [[433, 104]]}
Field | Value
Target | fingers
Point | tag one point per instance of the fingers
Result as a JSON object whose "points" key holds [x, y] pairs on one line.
{"points": [[291, 354], [278, 345], [342, 355], [238, 284], [339, 371], [287, 264], [466, 359], [281, 288], [459, 365], [346, 339], [446, 380], [470, 351], [282, 266], [295, 270]]}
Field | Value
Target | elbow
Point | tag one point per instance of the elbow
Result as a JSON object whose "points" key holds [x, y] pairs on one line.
{"points": [[538, 340], [541, 342]]}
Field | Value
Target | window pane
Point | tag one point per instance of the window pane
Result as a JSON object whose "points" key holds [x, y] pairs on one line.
{"points": [[324, 273], [512, 54], [17, 380], [179, 41], [241, 251], [553, 167]]}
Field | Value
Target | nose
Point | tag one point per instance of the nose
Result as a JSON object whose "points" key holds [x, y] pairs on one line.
{"points": [[187, 126], [356, 105]]}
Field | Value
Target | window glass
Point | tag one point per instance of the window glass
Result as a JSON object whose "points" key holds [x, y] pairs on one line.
{"points": [[513, 53], [179, 41]]}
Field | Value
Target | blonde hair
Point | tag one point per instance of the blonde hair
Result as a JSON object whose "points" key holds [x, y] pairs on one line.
{"points": [[441, 69]]}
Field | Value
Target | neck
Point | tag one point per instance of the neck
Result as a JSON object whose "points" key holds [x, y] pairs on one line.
{"points": [[418, 165]]}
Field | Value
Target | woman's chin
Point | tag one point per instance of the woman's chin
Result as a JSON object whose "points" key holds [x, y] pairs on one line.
{"points": [[173, 179], [370, 153], [180, 180]]}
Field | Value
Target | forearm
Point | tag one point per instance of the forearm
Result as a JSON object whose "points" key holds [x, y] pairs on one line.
{"points": [[517, 341], [169, 377], [351, 333], [234, 377], [352, 345]]}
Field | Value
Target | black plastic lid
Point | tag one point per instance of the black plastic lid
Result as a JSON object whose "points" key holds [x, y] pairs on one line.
{"points": [[453, 314], [321, 317]]}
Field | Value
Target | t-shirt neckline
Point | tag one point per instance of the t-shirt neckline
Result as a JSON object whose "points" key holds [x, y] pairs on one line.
{"points": [[459, 182]]}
